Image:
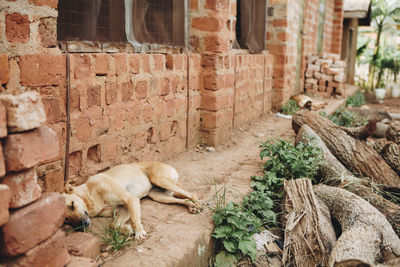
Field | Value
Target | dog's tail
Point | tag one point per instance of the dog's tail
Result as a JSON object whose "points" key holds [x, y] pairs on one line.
{"points": [[68, 186]]}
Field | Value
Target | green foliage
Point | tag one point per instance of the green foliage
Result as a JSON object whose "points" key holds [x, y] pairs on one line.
{"points": [[290, 107], [344, 117], [115, 238], [290, 162], [234, 227], [260, 204], [224, 259], [357, 100]]}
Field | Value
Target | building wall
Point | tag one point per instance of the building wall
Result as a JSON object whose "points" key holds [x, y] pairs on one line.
{"points": [[128, 106]]}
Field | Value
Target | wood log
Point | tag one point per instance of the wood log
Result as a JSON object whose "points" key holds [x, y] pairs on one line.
{"points": [[372, 128], [309, 234], [390, 152], [367, 237], [336, 174], [352, 153], [373, 114], [393, 132]]}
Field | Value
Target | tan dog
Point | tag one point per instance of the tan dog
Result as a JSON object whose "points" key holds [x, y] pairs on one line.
{"points": [[125, 185]]}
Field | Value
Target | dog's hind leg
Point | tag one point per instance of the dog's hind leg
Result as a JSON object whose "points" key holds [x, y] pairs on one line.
{"points": [[170, 185], [165, 197]]}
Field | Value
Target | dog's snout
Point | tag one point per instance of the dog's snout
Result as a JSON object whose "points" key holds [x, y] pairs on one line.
{"points": [[86, 220]]}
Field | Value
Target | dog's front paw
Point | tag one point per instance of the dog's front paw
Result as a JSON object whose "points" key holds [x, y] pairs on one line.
{"points": [[140, 235], [194, 207]]}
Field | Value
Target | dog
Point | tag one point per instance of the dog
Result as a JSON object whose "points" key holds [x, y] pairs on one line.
{"points": [[125, 185]]}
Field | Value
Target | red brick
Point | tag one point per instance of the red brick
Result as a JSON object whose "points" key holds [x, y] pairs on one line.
{"points": [[81, 128], [174, 62], [83, 245], [165, 131], [139, 140], [54, 181], [24, 187], [141, 89], [145, 63], [48, 32], [134, 63], [50, 253], [213, 81], [165, 87], [170, 107], [75, 162], [209, 24], [24, 111], [50, 3], [127, 90], [5, 196], [101, 64], [54, 108], [17, 28], [110, 149], [215, 43], [194, 5], [147, 113], [217, 5], [111, 93], [42, 70], [33, 224], [280, 23], [3, 124], [81, 262], [120, 64], [158, 62], [25, 150], [82, 66], [4, 69], [93, 95]]}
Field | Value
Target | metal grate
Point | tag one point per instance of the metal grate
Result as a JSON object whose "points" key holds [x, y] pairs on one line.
{"points": [[93, 20]]}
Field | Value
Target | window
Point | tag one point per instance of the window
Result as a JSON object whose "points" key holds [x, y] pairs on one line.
{"points": [[251, 25], [136, 21], [91, 20], [158, 22]]}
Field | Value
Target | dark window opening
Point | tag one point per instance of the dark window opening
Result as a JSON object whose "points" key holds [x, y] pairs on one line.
{"points": [[251, 25], [159, 21], [91, 20]]}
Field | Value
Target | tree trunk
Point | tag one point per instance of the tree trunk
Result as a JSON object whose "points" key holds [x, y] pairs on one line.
{"points": [[393, 132], [336, 174], [367, 237], [390, 152], [309, 234], [352, 153]]}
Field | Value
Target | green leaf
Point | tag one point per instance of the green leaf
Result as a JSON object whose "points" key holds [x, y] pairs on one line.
{"points": [[217, 217], [248, 247], [224, 259], [229, 246]]}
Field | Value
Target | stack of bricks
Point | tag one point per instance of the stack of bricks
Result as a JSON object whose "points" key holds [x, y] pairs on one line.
{"points": [[30, 220], [325, 75]]}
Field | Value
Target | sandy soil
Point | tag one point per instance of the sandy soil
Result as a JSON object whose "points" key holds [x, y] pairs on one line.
{"points": [[173, 233]]}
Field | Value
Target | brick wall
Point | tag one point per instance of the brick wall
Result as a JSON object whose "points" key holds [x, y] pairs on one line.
{"points": [[283, 23]]}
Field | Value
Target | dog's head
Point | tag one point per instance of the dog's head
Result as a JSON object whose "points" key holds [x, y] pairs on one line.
{"points": [[77, 214]]}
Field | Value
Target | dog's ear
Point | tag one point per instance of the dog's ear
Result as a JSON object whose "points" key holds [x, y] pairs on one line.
{"points": [[68, 187]]}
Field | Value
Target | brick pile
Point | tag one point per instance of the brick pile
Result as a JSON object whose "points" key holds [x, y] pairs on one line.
{"points": [[30, 220], [325, 75]]}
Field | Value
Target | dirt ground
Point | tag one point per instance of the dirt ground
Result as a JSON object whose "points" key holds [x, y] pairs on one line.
{"points": [[177, 238], [173, 233]]}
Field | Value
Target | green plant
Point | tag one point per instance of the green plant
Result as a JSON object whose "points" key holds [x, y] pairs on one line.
{"points": [[290, 162], [344, 117], [290, 107], [260, 204], [115, 237], [357, 100], [234, 227]]}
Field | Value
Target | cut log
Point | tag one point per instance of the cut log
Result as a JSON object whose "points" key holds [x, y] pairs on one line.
{"points": [[352, 153], [372, 114], [390, 152], [336, 174], [309, 234], [367, 237], [393, 132], [372, 128]]}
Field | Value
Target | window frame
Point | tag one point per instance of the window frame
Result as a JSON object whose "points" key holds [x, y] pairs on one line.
{"points": [[84, 46]]}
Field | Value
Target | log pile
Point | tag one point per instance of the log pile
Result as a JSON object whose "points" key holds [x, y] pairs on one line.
{"points": [[356, 179], [325, 75]]}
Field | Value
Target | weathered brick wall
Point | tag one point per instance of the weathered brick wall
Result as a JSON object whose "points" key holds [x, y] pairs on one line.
{"points": [[283, 23], [252, 87], [337, 27]]}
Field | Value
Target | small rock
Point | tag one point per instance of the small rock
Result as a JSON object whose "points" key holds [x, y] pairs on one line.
{"points": [[210, 149]]}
